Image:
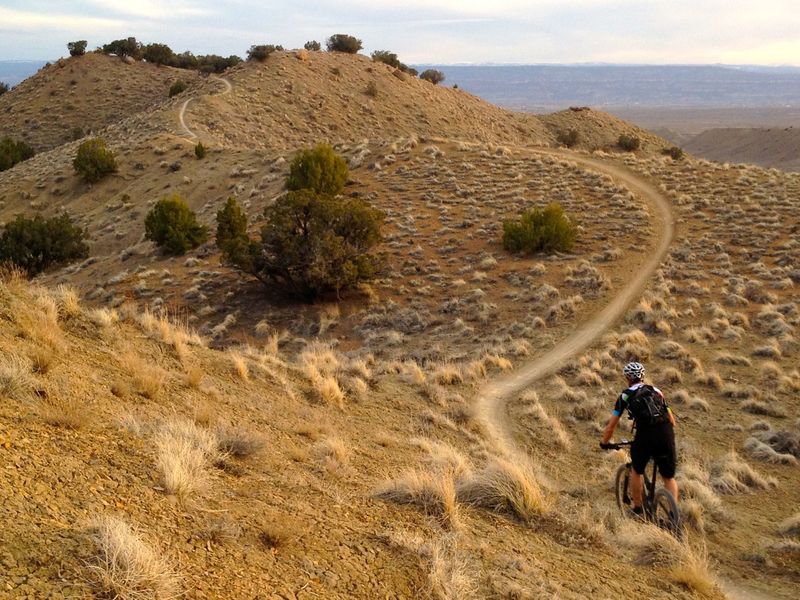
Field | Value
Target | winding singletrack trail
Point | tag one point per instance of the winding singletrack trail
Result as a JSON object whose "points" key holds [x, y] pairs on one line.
{"points": [[491, 401], [182, 112]]}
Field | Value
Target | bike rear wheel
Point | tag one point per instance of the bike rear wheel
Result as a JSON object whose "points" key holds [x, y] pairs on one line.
{"points": [[665, 512]]}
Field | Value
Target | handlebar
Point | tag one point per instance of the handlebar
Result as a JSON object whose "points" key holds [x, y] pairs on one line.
{"points": [[615, 445]]}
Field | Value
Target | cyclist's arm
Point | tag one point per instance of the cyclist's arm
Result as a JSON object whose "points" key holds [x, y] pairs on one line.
{"points": [[610, 427], [671, 416]]}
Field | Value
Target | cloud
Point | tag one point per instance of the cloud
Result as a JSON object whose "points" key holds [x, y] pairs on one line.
{"points": [[27, 20], [150, 9]]}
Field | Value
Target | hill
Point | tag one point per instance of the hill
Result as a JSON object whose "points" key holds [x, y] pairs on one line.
{"points": [[73, 97], [222, 436], [766, 147]]}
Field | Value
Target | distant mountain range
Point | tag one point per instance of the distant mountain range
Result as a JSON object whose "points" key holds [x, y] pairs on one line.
{"points": [[14, 71], [546, 87]]}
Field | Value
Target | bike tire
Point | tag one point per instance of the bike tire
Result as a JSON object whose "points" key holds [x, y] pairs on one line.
{"points": [[666, 513], [621, 489]]}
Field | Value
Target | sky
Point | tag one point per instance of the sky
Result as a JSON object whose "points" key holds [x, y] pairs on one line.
{"points": [[762, 32]]}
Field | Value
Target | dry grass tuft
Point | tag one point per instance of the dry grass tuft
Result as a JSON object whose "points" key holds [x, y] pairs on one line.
{"points": [[63, 412], [448, 374], [15, 378], [332, 453], [504, 487], [790, 526], [731, 475], [185, 451], [42, 359], [126, 567], [239, 443], [450, 575], [147, 379], [240, 368], [685, 564], [434, 493]]}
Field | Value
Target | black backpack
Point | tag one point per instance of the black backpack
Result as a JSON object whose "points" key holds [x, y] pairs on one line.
{"points": [[647, 407]]}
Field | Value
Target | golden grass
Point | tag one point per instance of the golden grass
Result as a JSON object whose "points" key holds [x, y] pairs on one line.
{"points": [[332, 453], [126, 567], [434, 493], [240, 368], [63, 412], [731, 475], [15, 378], [790, 526], [42, 359], [448, 374], [147, 378], [184, 452], [503, 486]]}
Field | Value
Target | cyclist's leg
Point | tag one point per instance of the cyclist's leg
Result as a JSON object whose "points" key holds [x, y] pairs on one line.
{"points": [[637, 486], [667, 461], [640, 456]]}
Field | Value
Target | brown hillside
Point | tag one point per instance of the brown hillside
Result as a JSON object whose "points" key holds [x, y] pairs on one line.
{"points": [[600, 131], [263, 448], [291, 100], [779, 148], [87, 93]]}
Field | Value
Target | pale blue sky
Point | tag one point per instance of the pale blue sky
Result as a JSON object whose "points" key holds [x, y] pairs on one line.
{"points": [[426, 31]]}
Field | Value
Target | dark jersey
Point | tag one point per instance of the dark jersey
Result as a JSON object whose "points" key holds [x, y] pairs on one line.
{"points": [[622, 402]]}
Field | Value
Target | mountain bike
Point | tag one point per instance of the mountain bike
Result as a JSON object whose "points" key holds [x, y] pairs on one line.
{"points": [[659, 506]]}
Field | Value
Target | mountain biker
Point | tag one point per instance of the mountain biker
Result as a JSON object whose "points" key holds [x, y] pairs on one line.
{"points": [[652, 439]]}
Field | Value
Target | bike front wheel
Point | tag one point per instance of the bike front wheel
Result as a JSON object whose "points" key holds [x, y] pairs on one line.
{"points": [[622, 489], [665, 512]]}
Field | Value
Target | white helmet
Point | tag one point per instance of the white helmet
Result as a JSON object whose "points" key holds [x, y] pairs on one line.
{"points": [[634, 370]]}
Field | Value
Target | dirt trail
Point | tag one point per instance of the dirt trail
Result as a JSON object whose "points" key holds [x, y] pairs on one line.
{"points": [[182, 113], [491, 400]]}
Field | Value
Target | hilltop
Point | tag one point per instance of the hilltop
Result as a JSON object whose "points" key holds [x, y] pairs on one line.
{"points": [[228, 438], [73, 97]]}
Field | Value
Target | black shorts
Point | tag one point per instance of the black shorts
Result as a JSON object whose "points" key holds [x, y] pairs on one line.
{"points": [[657, 443]]}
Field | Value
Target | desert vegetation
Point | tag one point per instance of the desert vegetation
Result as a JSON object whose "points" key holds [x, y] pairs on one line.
{"points": [[94, 160], [226, 436], [173, 226]]}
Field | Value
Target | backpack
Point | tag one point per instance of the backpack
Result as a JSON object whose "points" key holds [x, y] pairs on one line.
{"points": [[647, 407]]}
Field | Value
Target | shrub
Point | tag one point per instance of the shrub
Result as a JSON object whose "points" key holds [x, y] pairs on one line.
{"points": [[372, 89], [232, 239], [77, 48], [127, 47], [568, 138], [674, 152], [386, 57], [12, 152], [176, 88], [629, 143], [314, 243], [313, 46], [37, 243], [341, 42], [3, 87], [546, 229], [311, 243], [213, 63], [432, 75], [318, 169], [200, 151], [173, 226], [94, 160], [158, 54], [262, 51]]}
